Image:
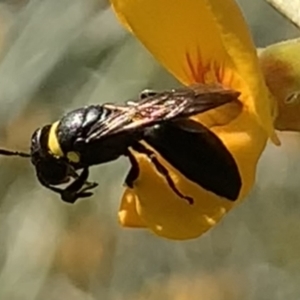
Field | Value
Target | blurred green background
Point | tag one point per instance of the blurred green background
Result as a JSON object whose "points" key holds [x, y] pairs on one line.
{"points": [[60, 54]]}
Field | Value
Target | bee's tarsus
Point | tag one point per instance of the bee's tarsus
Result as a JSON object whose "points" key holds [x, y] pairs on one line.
{"points": [[78, 189]]}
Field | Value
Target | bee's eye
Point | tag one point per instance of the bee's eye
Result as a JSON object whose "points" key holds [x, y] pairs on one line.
{"points": [[53, 171], [147, 93]]}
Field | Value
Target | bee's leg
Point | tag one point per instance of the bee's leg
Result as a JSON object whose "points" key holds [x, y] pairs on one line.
{"points": [[147, 93], [161, 169], [78, 188], [48, 186], [75, 190], [133, 172]]}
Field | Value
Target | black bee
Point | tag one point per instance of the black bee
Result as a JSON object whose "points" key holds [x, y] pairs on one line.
{"points": [[97, 134]]}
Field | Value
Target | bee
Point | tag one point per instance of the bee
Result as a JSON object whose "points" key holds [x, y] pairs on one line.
{"points": [[63, 152]]}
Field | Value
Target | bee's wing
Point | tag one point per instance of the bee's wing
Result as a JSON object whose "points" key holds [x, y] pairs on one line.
{"points": [[199, 155], [163, 106]]}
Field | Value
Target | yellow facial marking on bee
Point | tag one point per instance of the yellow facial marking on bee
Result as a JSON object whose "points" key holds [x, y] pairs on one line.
{"points": [[73, 157], [53, 143]]}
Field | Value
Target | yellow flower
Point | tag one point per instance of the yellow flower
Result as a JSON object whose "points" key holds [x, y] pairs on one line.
{"points": [[199, 41]]}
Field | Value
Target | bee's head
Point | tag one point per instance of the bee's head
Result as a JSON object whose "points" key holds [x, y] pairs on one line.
{"points": [[53, 169], [50, 170]]}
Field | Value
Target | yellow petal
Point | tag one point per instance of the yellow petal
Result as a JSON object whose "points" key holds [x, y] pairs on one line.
{"points": [[128, 216], [202, 41]]}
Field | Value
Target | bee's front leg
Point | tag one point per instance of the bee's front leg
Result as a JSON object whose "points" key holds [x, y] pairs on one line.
{"points": [[79, 188]]}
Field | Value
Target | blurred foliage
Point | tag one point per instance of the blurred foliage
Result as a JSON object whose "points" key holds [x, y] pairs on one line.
{"points": [[61, 54]]}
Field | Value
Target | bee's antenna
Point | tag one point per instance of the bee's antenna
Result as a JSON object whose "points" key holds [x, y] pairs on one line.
{"points": [[14, 153]]}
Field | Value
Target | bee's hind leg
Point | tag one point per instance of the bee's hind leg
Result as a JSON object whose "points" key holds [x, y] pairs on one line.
{"points": [[133, 172], [161, 169]]}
